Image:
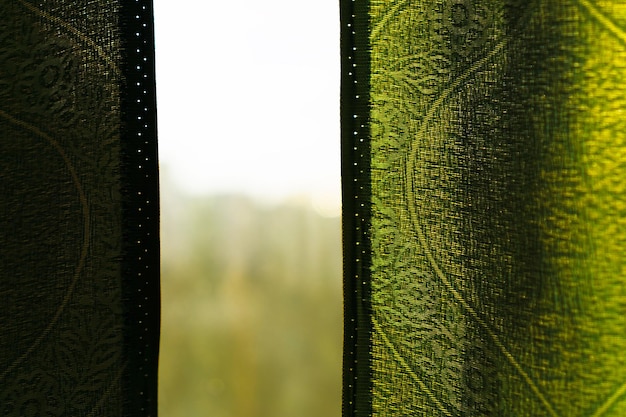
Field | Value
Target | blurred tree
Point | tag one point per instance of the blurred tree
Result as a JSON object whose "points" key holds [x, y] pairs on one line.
{"points": [[252, 309]]}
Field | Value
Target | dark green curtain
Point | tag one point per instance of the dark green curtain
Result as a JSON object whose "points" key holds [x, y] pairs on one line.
{"points": [[79, 253], [484, 171]]}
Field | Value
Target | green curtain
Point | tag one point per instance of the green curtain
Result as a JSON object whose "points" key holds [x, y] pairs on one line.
{"points": [[484, 172], [79, 252]]}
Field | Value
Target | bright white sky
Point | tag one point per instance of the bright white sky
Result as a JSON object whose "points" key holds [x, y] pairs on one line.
{"points": [[248, 95]]}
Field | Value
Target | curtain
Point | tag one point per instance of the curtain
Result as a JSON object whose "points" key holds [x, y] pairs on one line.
{"points": [[484, 180], [79, 263]]}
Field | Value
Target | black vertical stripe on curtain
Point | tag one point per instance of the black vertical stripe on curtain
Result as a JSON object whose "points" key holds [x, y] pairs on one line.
{"points": [[356, 191], [484, 186], [79, 249]]}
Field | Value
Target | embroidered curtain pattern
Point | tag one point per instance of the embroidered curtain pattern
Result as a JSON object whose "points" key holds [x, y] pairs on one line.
{"points": [[78, 209], [484, 171]]}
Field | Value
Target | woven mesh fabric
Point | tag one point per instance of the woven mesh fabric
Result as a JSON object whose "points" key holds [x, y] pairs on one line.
{"points": [[78, 209], [484, 148]]}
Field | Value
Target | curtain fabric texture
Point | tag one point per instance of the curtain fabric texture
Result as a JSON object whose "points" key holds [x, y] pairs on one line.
{"points": [[79, 269], [484, 171]]}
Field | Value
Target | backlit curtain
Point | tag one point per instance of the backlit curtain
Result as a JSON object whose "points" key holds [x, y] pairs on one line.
{"points": [[79, 269], [484, 172]]}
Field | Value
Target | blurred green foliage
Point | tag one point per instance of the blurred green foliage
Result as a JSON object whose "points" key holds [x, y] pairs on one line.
{"points": [[252, 309]]}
